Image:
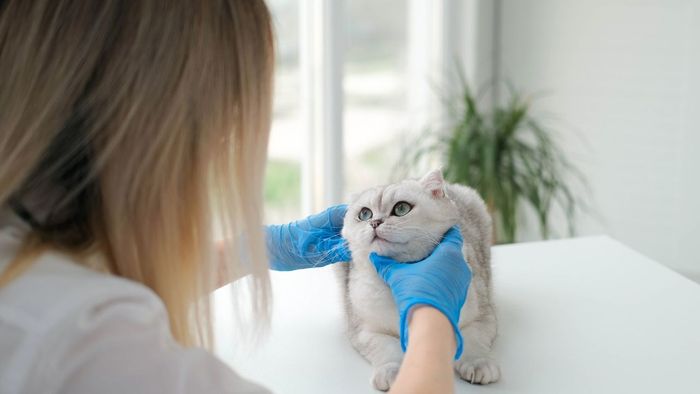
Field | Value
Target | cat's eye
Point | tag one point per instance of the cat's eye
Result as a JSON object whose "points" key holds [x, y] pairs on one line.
{"points": [[401, 208], [365, 214]]}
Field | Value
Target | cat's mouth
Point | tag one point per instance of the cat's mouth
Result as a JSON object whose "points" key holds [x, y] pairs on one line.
{"points": [[378, 238]]}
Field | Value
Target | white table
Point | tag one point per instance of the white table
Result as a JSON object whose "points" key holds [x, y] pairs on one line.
{"points": [[585, 315]]}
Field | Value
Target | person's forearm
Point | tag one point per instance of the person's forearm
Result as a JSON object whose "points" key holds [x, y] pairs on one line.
{"points": [[427, 366]]}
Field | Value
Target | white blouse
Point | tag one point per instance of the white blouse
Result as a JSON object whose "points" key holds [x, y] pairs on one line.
{"points": [[67, 329]]}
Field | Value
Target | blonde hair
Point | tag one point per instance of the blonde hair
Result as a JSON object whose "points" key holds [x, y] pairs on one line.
{"points": [[137, 130]]}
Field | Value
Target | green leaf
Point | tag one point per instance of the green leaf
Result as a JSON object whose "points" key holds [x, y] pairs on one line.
{"points": [[506, 154]]}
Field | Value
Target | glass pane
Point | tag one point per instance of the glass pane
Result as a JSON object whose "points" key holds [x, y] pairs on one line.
{"points": [[375, 92], [283, 177]]}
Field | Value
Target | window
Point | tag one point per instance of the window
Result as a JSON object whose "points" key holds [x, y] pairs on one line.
{"points": [[375, 68], [349, 78], [283, 176]]}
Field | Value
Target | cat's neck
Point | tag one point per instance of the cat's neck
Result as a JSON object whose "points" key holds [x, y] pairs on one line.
{"points": [[360, 259]]}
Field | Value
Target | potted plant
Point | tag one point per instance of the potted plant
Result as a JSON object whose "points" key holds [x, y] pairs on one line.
{"points": [[508, 156]]}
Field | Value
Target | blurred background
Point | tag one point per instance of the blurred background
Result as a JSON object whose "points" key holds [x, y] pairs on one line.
{"points": [[565, 115]]}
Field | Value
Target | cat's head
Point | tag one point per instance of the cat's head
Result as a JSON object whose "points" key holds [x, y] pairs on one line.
{"points": [[404, 220]]}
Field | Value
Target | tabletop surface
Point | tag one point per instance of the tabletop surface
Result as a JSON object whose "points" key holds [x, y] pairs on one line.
{"points": [[584, 315]]}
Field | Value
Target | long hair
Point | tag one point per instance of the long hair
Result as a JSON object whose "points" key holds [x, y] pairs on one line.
{"points": [[135, 131]]}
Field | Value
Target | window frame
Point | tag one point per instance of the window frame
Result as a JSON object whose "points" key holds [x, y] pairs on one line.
{"points": [[437, 34]]}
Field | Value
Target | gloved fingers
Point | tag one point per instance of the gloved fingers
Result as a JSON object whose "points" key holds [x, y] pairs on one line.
{"points": [[336, 215], [338, 254], [342, 252], [381, 263], [454, 236], [331, 218], [335, 247]]}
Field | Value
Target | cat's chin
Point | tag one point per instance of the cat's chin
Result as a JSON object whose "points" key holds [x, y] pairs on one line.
{"points": [[395, 251], [400, 256], [381, 250]]}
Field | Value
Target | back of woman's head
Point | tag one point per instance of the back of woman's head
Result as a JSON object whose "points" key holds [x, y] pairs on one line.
{"points": [[137, 129]]}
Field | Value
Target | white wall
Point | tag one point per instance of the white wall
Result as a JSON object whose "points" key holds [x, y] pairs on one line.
{"points": [[623, 78]]}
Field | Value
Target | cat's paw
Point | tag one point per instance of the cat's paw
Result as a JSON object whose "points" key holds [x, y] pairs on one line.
{"points": [[478, 371], [384, 376]]}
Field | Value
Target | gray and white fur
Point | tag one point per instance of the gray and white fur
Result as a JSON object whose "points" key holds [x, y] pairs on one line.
{"points": [[371, 312]]}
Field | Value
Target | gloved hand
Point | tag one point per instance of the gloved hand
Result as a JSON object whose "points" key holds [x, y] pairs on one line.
{"points": [[441, 280], [306, 243]]}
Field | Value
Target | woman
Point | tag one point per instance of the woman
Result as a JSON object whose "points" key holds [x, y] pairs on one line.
{"points": [[133, 134]]}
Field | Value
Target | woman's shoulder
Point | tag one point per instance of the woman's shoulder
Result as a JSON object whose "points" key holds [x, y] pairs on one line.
{"points": [[55, 287], [53, 306], [55, 284], [86, 331]]}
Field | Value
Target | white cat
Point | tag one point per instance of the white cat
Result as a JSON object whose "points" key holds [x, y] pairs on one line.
{"points": [[405, 221]]}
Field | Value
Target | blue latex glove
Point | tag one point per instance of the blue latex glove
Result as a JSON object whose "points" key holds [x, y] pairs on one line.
{"points": [[441, 280], [306, 243]]}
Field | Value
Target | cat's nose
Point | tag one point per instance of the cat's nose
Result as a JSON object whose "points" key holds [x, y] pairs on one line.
{"points": [[376, 222]]}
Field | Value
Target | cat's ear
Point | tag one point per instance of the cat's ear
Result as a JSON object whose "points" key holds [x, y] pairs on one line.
{"points": [[434, 183]]}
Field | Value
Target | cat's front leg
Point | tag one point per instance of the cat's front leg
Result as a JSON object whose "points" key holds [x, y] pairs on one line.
{"points": [[383, 352], [477, 364]]}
